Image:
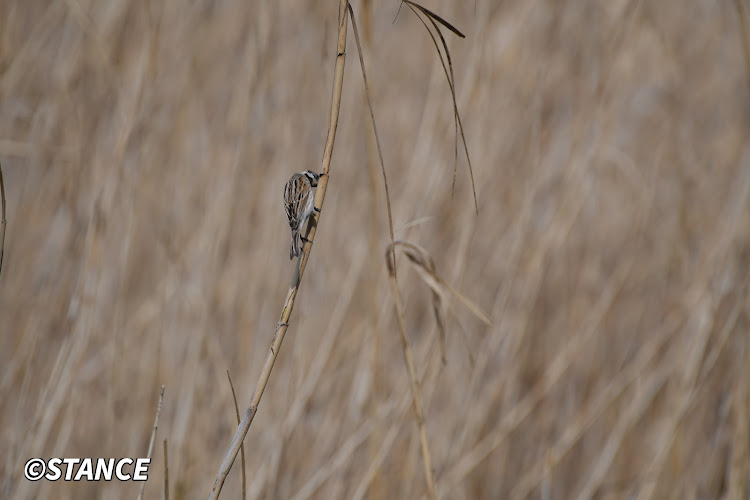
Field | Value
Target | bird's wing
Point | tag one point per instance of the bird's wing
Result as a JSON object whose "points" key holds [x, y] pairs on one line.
{"points": [[296, 194]]}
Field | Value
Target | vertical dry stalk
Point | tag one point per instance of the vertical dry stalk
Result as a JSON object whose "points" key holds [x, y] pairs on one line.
{"points": [[743, 35], [153, 436], [247, 419], [377, 137], [166, 472], [409, 358], [2, 219], [242, 449], [738, 476]]}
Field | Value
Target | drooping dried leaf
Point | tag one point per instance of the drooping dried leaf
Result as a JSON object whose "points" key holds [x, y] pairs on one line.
{"points": [[448, 70], [437, 18], [440, 290]]}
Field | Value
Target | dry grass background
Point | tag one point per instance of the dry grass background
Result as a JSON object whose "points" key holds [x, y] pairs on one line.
{"points": [[145, 146]]}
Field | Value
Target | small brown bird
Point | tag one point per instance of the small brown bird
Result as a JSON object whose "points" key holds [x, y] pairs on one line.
{"points": [[298, 204]]}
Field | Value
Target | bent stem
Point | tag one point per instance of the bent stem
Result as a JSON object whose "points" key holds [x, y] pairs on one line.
{"points": [[409, 359], [286, 312]]}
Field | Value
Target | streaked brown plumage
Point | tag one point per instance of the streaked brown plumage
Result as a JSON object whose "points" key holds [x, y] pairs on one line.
{"points": [[298, 204]]}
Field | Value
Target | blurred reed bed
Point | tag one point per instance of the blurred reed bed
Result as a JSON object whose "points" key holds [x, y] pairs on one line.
{"points": [[144, 149]]}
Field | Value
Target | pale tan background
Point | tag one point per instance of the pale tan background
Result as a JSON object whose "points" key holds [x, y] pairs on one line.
{"points": [[145, 146]]}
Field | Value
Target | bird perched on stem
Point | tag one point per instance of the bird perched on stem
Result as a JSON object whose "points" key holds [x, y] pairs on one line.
{"points": [[298, 204]]}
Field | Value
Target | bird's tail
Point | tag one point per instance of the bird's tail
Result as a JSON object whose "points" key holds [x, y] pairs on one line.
{"points": [[294, 251]]}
